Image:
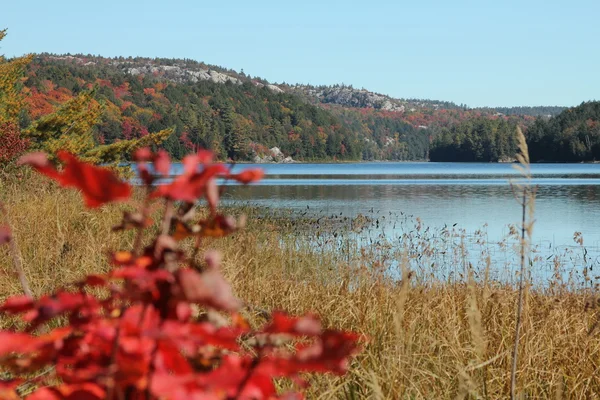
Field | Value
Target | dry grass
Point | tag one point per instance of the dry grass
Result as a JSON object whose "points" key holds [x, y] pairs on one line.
{"points": [[428, 339]]}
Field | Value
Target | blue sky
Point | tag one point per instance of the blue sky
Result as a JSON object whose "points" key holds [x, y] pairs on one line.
{"points": [[495, 53]]}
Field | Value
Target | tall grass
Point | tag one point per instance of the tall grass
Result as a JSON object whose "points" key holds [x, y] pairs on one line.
{"points": [[429, 336]]}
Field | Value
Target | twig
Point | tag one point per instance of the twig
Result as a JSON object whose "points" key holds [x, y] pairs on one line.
{"points": [[166, 224], [16, 257], [111, 386], [244, 381], [140, 231]]}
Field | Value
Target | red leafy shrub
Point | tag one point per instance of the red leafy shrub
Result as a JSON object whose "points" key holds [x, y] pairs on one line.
{"points": [[12, 144], [147, 330]]}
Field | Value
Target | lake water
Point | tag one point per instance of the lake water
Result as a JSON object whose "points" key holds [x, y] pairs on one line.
{"points": [[469, 196]]}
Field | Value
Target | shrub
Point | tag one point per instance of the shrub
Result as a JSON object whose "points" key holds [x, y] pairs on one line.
{"points": [[162, 324], [12, 144]]}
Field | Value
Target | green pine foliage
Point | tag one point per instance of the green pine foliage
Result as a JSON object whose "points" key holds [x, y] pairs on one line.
{"points": [[571, 136], [480, 139]]}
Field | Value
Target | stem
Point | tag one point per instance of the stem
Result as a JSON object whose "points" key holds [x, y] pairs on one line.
{"points": [[244, 381], [513, 372], [140, 231], [113, 359], [152, 367], [197, 244], [16, 257], [166, 224]]}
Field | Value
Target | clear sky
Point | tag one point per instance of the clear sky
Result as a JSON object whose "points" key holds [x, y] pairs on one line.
{"points": [[495, 53]]}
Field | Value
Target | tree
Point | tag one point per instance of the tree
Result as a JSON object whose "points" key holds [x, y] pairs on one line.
{"points": [[12, 100]]}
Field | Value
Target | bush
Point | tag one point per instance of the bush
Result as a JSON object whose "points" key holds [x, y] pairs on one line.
{"points": [[162, 324], [12, 144]]}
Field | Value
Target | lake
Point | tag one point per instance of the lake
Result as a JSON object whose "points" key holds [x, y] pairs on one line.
{"points": [[469, 196]]}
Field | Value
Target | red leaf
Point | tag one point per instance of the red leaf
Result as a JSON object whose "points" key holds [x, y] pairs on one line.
{"points": [[218, 226], [142, 155], [17, 304], [60, 303], [329, 353], [40, 162], [205, 156], [15, 342], [45, 394], [5, 235], [249, 176], [302, 326], [208, 288], [98, 185], [162, 163], [188, 336], [190, 186], [169, 359], [7, 389], [95, 280], [84, 391]]}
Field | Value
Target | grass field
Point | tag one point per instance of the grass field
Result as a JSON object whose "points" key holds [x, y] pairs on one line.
{"points": [[428, 337]]}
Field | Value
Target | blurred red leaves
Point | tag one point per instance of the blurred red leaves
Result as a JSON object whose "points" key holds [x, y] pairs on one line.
{"points": [[5, 235], [98, 185], [144, 329], [249, 176]]}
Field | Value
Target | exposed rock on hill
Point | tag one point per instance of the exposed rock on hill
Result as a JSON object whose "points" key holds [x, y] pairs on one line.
{"points": [[349, 97]]}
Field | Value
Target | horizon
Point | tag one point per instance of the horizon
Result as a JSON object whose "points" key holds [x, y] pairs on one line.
{"points": [[455, 56]]}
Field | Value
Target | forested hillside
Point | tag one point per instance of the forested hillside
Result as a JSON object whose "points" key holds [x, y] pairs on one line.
{"points": [[237, 116], [241, 117], [479, 139], [573, 135], [233, 119]]}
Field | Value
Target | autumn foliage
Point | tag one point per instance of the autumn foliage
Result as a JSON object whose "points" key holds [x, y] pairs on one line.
{"points": [[12, 144], [162, 324]]}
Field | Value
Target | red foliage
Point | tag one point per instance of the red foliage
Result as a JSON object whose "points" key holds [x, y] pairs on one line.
{"points": [[249, 176], [98, 185], [39, 104], [5, 234], [139, 337], [12, 144], [185, 139], [127, 127], [122, 90]]}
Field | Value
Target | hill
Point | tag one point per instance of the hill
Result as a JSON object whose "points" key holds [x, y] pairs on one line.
{"points": [[241, 117]]}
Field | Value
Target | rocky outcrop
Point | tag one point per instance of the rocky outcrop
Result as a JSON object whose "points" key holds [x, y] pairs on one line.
{"points": [[275, 156], [275, 89], [347, 96], [181, 74]]}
